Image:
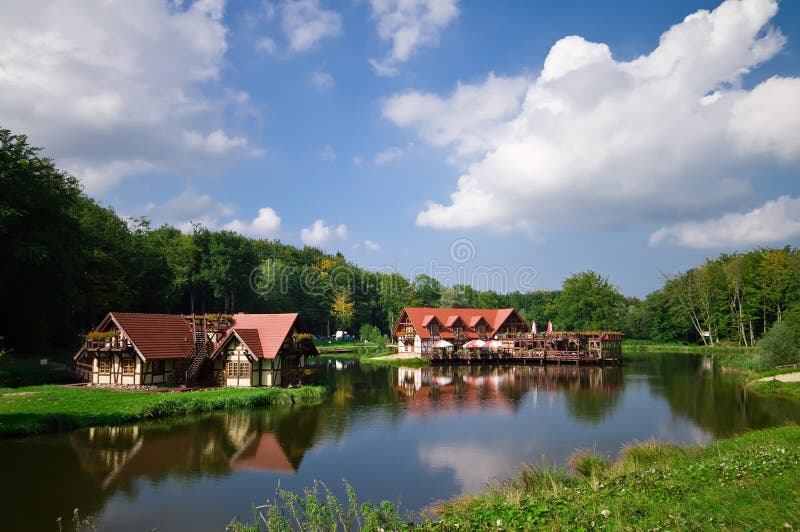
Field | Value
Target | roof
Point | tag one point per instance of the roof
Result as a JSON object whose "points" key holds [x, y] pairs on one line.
{"points": [[263, 334], [421, 316], [154, 336], [263, 453]]}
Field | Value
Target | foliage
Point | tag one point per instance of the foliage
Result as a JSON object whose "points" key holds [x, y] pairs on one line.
{"points": [[101, 335], [588, 301], [318, 509], [342, 310], [39, 409], [780, 346]]}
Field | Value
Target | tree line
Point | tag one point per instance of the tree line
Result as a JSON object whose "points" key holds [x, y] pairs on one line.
{"points": [[67, 260]]}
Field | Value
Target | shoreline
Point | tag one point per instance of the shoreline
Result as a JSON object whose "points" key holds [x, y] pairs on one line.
{"points": [[740, 482], [34, 410]]}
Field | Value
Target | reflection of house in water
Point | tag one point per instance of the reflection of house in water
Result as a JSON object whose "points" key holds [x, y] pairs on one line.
{"points": [[590, 390], [216, 445]]}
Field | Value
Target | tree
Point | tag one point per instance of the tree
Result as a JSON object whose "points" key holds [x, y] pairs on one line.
{"points": [[589, 301], [428, 290], [780, 346], [342, 310]]}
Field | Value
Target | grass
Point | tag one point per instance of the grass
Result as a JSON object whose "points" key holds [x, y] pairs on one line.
{"points": [[639, 346], [747, 482], [790, 390], [400, 362], [40, 409]]}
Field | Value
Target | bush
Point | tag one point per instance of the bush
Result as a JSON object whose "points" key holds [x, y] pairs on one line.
{"points": [[780, 345]]}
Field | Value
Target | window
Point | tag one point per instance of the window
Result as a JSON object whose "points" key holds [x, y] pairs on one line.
{"points": [[434, 329], [158, 367], [128, 365], [238, 370], [481, 329], [104, 365], [456, 331]]}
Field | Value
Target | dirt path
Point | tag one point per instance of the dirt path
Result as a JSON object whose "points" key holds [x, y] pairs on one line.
{"points": [[786, 377]]}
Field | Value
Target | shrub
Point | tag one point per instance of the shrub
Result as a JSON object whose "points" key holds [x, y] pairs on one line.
{"points": [[780, 345]]}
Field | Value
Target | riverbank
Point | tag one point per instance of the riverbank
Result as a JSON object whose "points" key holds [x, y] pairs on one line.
{"points": [[633, 346], [42, 409], [744, 482]]}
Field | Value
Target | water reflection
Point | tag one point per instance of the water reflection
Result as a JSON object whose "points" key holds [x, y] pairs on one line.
{"points": [[412, 434], [591, 392]]}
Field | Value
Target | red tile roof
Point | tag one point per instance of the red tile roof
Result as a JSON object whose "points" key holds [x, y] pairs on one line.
{"points": [[154, 336], [420, 316], [263, 453], [263, 334]]}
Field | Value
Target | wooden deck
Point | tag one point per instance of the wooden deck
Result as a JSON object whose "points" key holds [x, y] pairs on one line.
{"points": [[594, 347]]}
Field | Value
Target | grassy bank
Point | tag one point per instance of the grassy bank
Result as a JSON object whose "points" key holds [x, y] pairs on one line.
{"points": [[748, 482], [40, 409], [400, 362], [635, 346]]}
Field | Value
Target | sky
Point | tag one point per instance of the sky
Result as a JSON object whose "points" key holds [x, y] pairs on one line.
{"points": [[501, 144]]}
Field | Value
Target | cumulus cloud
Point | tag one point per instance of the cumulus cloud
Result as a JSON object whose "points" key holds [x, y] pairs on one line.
{"points": [[305, 24], [266, 44], [215, 143], [109, 90], [322, 81], [409, 25], [320, 234], [388, 154], [327, 153], [372, 246], [774, 222], [597, 142], [190, 207], [266, 225]]}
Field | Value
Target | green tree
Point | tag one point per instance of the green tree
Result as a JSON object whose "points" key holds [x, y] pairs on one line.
{"points": [[428, 290], [588, 301]]}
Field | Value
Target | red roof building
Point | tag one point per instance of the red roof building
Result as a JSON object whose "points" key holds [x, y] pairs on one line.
{"points": [[418, 328]]}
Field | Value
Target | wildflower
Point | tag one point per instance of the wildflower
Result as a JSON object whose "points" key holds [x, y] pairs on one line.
{"points": [[605, 513], [499, 522]]}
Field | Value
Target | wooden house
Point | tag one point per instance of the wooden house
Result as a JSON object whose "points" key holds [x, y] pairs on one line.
{"points": [[239, 350], [263, 350], [421, 329]]}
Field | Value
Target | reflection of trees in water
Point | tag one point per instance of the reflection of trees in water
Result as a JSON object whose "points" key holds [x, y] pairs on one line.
{"points": [[697, 390]]}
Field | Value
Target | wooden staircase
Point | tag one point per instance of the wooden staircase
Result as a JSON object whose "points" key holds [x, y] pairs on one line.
{"points": [[200, 353]]}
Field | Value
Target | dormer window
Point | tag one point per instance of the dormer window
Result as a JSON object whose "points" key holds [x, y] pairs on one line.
{"points": [[481, 329], [457, 331], [433, 328]]}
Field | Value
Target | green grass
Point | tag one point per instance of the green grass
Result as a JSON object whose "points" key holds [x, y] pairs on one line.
{"points": [[776, 388], [400, 362], [40, 409], [747, 482], [639, 346]]}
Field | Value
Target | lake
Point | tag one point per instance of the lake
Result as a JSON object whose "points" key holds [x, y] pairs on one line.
{"points": [[409, 435]]}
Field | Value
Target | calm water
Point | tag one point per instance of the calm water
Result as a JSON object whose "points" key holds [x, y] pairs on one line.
{"points": [[413, 436]]}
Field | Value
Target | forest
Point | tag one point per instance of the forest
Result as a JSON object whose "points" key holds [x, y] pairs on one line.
{"points": [[68, 260]]}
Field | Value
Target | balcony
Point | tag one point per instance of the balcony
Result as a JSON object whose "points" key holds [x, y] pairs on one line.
{"points": [[111, 344]]}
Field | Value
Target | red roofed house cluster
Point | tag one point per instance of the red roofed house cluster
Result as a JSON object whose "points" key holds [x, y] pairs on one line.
{"points": [[228, 350], [419, 329]]}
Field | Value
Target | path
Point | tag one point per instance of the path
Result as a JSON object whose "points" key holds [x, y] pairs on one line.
{"points": [[786, 377]]}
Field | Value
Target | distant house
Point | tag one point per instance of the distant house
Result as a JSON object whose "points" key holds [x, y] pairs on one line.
{"points": [[236, 350], [420, 328]]}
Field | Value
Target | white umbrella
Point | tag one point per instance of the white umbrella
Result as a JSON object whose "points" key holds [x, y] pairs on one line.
{"points": [[494, 344], [442, 343], [475, 343]]}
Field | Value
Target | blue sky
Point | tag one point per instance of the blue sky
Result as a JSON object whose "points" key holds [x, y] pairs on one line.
{"points": [[571, 135]]}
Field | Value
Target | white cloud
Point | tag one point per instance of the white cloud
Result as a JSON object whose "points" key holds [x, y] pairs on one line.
{"points": [[327, 153], [319, 233], [389, 154], [266, 225], [409, 24], [598, 142], [372, 246], [190, 207], [266, 44], [358, 161], [306, 23], [767, 119], [774, 222], [107, 90], [468, 117], [322, 81], [215, 143]]}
